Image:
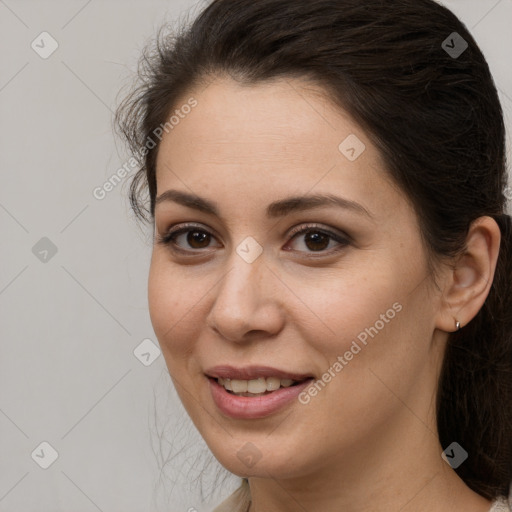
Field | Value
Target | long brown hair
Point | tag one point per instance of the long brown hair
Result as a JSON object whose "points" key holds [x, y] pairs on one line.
{"points": [[434, 114]]}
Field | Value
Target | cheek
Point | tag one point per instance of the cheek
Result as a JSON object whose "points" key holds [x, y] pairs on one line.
{"points": [[375, 317], [174, 304], [344, 303], [383, 341]]}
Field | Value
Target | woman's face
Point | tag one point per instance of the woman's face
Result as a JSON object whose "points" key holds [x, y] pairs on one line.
{"points": [[301, 261]]}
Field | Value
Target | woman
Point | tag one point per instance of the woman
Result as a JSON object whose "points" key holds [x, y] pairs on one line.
{"points": [[330, 281]]}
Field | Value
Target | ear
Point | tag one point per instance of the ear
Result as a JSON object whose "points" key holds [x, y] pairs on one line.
{"points": [[467, 283]]}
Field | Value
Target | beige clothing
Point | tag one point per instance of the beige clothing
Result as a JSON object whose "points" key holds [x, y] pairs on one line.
{"points": [[240, 501], [503, 504]]}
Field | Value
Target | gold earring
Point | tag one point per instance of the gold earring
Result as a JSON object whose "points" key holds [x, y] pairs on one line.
{"points": [[457, 325]]}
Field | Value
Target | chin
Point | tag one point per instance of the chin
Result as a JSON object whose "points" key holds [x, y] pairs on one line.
{"points": [[259, 456]]}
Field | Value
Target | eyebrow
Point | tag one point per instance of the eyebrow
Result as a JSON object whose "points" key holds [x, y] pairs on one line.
{"points": [[276, 209]]}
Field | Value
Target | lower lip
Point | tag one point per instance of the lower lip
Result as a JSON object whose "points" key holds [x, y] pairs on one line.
{"points": [[249, 408]]}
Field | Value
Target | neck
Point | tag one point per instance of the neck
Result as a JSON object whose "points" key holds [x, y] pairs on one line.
{"points": [[383, 475]]}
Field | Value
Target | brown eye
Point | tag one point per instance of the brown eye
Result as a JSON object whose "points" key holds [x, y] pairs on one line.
{"points": [[188, 238], [316, 241], [311, 239], [198, 239]]}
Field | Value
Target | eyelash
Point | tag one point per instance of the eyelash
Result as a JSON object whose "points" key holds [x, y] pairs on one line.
{"points": [[169, 240]]}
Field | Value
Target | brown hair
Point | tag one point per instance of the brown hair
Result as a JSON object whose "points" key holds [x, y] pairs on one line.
{"points": [[437, 121]]}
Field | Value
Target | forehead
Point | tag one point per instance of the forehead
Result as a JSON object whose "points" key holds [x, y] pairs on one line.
{"points": [[284, 109], [273, 137]]}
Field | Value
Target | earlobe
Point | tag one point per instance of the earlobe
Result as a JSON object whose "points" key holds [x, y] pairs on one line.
{"points": [[469, 280]]}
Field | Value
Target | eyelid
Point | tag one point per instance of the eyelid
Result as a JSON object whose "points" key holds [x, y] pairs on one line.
{"points": [[341, 238], [311, 226], [167, 239]]}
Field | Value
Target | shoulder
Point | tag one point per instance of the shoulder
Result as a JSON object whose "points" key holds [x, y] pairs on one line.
{"points": [[239, 501], [503, 504]]}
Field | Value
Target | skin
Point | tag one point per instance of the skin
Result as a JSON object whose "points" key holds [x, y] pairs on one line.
{"points": [[368, 441]]}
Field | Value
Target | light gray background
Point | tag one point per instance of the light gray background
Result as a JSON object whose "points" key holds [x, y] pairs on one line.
{"points": [[70, 325]]}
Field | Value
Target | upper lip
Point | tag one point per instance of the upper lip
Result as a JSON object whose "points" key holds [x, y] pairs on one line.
{"points": [[252, 372]]}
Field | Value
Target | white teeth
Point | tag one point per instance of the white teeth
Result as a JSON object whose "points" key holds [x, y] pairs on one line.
{"points": [[255, 386], [273, 383], [239, 386]]}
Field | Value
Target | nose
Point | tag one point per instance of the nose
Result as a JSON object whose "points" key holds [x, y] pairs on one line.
{"points": [[247, 303]]}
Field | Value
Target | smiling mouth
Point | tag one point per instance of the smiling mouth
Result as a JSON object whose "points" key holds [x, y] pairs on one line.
{"points": [[256, 387]]}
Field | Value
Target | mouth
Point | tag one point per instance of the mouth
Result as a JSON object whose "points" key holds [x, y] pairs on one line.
{"points": [[256, 387], [256, 391]]}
